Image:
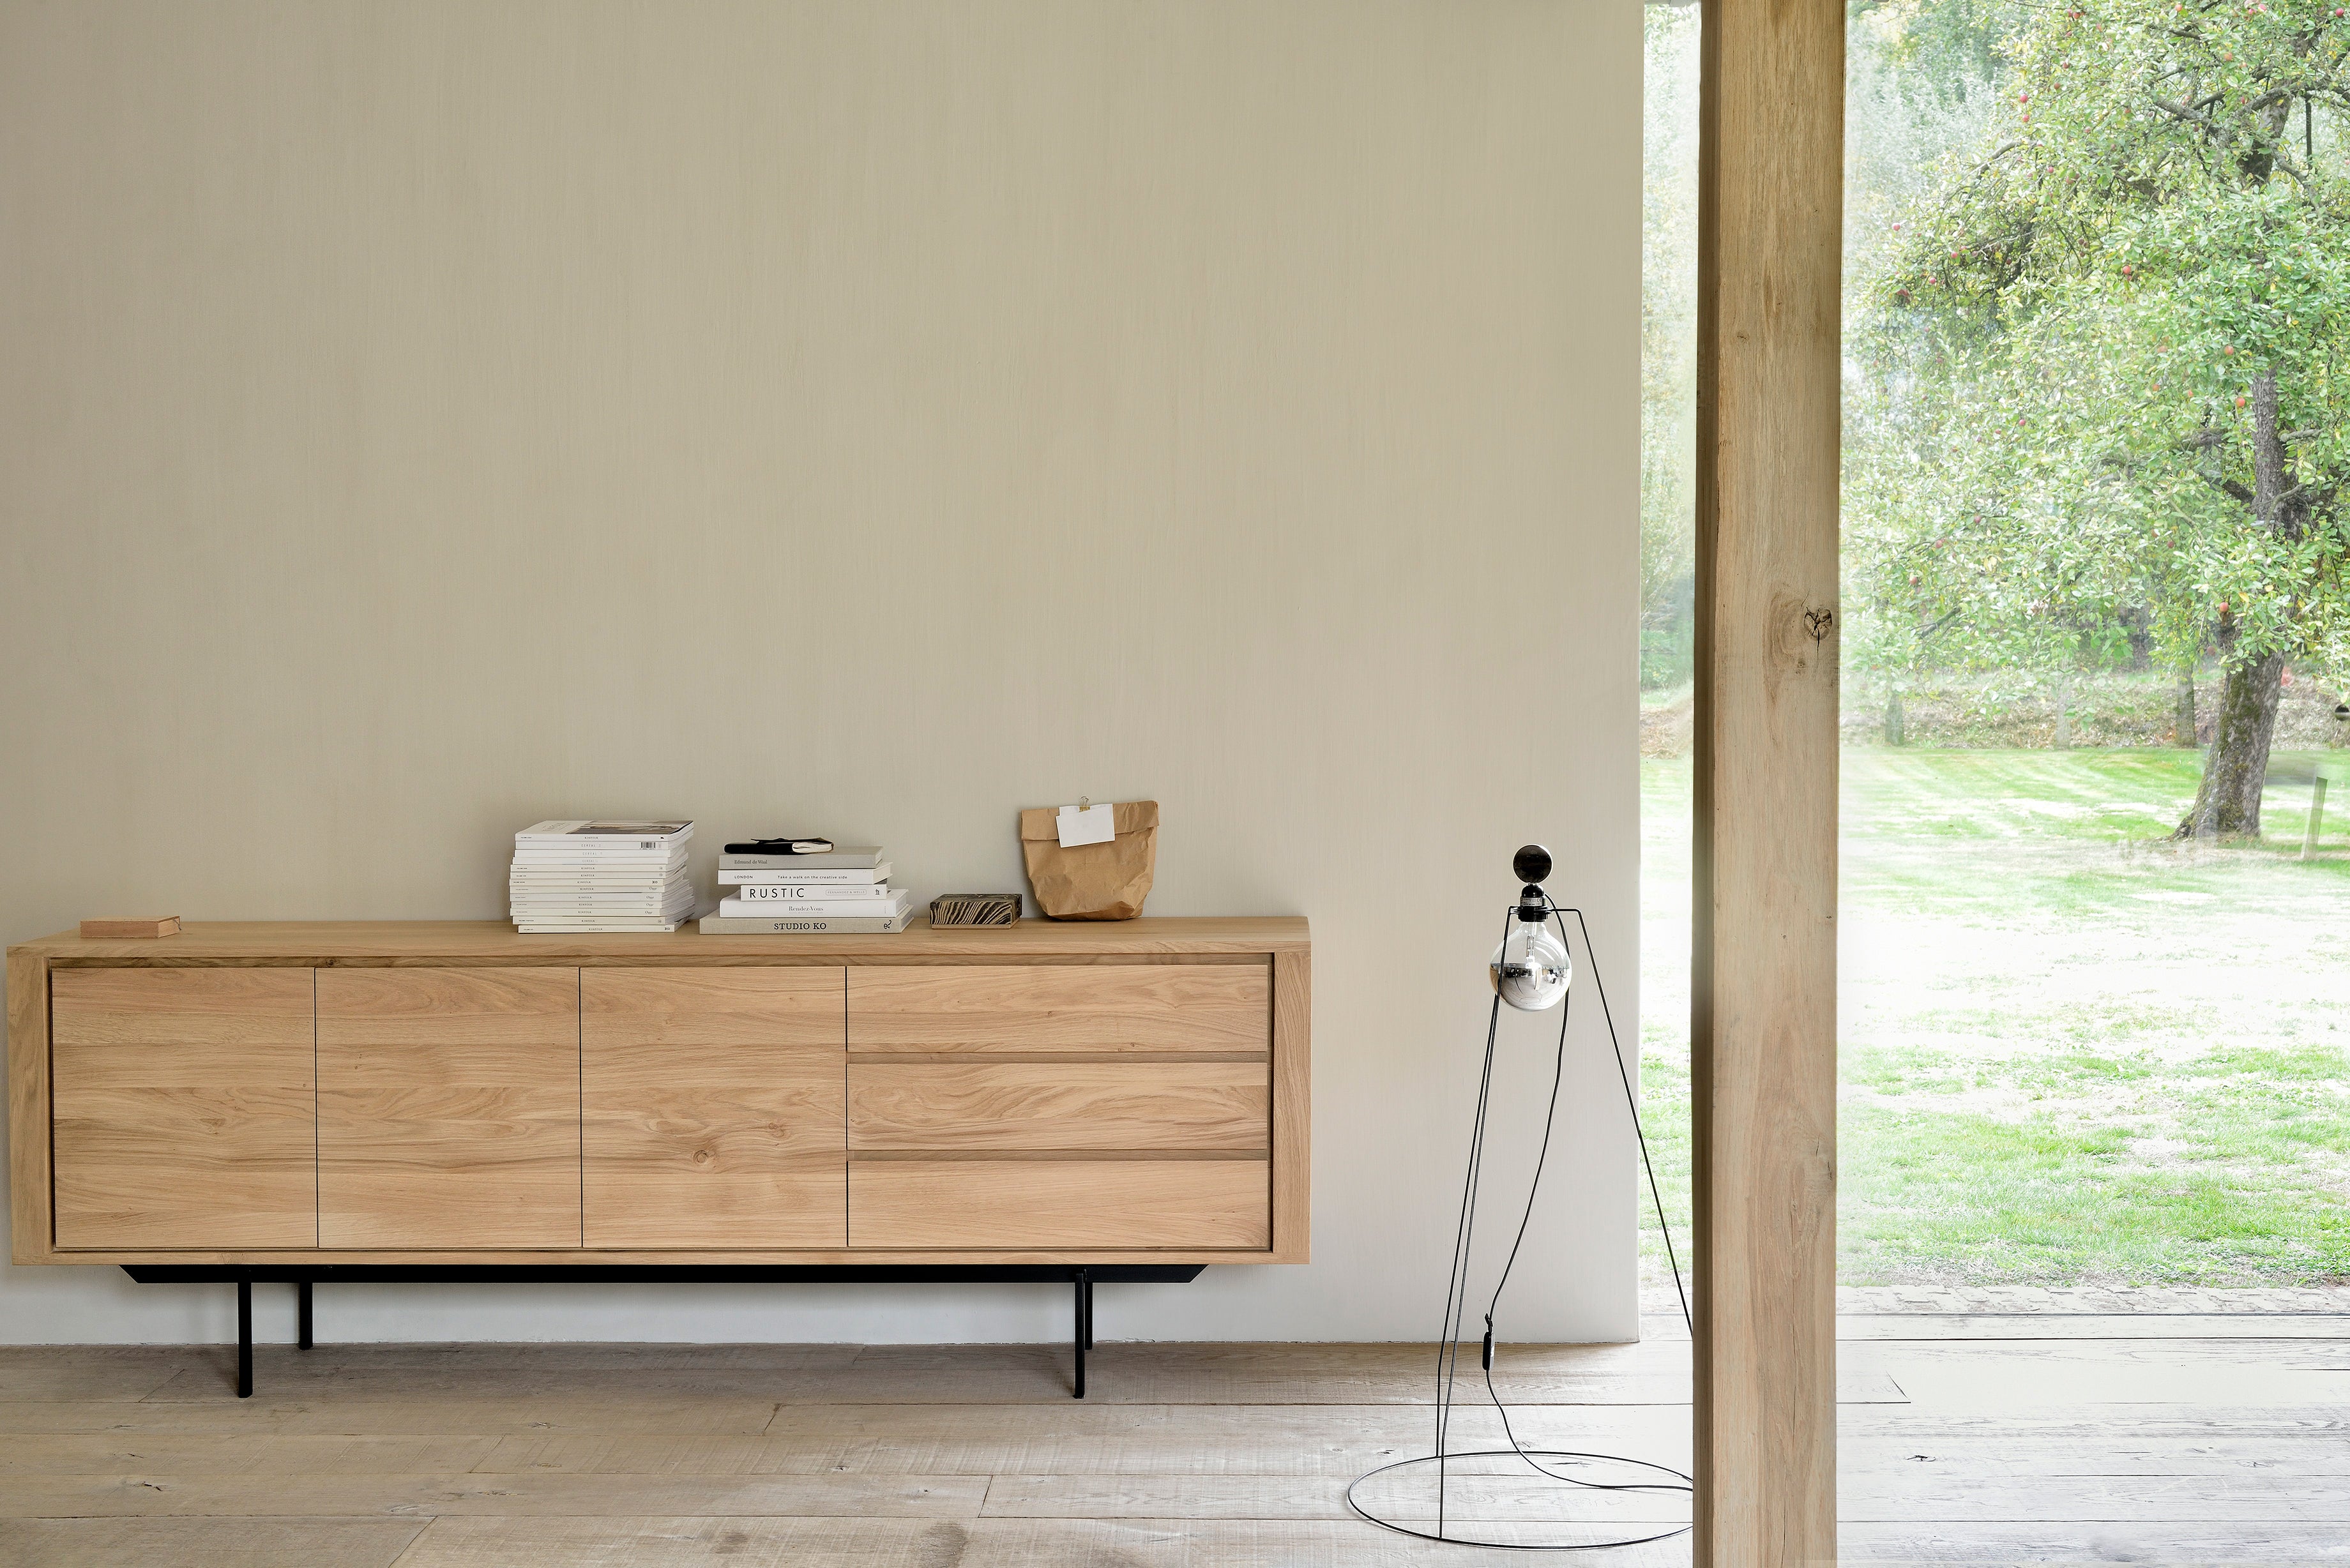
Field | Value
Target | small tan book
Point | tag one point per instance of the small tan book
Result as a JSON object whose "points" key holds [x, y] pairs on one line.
{"points": [[115, 931]]}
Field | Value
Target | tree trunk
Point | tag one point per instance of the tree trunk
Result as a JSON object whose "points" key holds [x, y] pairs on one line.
{"points": [[2228, 805], [1893, 716], [2182, 716]]}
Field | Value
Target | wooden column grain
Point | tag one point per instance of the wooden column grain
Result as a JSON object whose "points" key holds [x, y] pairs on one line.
{"points": [[1762, 995]]}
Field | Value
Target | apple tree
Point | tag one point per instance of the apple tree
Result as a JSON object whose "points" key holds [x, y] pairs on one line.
{"points": [[2105, 365]]}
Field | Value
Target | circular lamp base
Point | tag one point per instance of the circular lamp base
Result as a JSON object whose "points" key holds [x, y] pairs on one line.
{"points": [[1604, 1534]]}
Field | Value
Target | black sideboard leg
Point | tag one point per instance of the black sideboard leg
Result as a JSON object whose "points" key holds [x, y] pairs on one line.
{"points": [[1088, 1288], [1081, 1333], [302, 1314], [244, 1339]]}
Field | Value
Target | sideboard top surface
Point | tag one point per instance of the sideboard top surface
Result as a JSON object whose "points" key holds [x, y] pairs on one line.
{"points": [[496, 941]]}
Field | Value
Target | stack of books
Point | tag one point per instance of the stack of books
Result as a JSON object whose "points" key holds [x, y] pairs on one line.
{"points": [[833, 892], [601, 876]]}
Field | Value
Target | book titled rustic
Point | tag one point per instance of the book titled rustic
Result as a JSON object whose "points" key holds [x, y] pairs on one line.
{"points": [[801, 892]]}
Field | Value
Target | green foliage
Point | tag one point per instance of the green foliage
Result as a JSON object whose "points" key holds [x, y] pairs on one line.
{"points": [[1668, 348], [1946, 43], [2076, 357]]}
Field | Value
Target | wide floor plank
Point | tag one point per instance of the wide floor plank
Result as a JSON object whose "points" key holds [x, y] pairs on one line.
{"points": [[2092, 1423], [407, 1496], [973, 1543], [1962, 1326], [297, 1382], [1330, 1441], [228, 1415], [1991, 1544], [460, 1356], [1894, 1466], [205, 1543], [1153, 1374], [253, 1454], [68, 1372], [1987, 1380], [884, 1375], [2132, 1351], [1474, 1489]]}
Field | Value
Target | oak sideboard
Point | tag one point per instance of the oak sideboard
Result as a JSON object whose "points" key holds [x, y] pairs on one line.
{"points": [[304, 1101]]}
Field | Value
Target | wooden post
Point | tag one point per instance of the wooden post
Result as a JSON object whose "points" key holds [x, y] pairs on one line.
{"points": [[1763, 1000], [2316, 818]]}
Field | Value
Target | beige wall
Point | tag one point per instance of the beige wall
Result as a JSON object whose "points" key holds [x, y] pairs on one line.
{"points": [[419, 419]]}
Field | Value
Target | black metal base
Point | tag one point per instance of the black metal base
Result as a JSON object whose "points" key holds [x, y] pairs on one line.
{"points": [[302, 1276]]}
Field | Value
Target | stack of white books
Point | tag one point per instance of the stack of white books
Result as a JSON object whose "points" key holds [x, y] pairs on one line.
{"points": [[839, 891], [601, 876]]}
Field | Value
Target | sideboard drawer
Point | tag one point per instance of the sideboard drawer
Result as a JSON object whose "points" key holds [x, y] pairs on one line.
{"points": [[1001, 1204], [1108, 1104], [1060, 1009], [449, 1107], [712, 1105], [183, 1116]]}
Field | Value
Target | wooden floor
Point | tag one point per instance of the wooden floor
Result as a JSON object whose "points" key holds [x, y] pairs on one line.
{"points": [[1969, 1438]]}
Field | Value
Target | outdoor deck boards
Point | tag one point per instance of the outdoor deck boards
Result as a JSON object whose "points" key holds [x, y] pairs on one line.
{"points": [[2033, 1432]]}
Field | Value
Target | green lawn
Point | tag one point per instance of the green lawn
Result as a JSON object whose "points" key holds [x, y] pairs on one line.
{"points": [[2072, 1051]]}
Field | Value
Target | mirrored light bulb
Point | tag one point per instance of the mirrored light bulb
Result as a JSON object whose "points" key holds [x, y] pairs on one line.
{"points": [[1531, 968]]}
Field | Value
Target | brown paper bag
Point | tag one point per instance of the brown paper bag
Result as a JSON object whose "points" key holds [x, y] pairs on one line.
{"points": [[1092, 881]]}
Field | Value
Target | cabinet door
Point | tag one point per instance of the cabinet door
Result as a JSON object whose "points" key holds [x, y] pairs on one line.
{"points": [[183, 1109], [449, 1108], [713, 1107]]}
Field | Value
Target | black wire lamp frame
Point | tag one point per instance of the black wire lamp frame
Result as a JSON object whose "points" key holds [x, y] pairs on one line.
{"points": [[1533, 863]]}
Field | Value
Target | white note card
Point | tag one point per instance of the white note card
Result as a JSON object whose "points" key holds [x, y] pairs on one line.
{"points": [[1098, 824]]}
